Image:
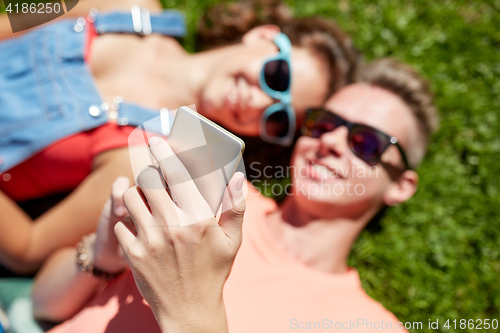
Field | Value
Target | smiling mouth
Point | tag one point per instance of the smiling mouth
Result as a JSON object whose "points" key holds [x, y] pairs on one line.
{"points": [[317, 170]]}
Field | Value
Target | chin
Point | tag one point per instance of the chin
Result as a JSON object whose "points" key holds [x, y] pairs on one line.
{"points": [[331, 199], [322, 193]]}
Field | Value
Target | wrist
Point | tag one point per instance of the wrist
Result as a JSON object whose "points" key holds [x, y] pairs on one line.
{"points": [[108, 263], [86, 259], [104, 260], [200, 320]]}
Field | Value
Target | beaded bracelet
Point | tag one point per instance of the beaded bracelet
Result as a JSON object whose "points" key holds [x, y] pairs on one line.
{"points": [[83, 261]]}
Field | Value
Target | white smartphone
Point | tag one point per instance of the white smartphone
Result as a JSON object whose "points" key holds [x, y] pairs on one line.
{"points": [[210, 153]]}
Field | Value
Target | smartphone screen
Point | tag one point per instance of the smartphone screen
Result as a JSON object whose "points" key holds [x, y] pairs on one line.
{"points": [[210, 153]]}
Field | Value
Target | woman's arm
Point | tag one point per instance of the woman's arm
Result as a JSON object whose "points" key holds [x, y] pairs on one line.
{"points": [[61, 287], [24, 245], [81, 9], [15, 227]]}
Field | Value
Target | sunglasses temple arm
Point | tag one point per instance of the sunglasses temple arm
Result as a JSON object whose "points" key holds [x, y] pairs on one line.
{"points": [[403, 155]]}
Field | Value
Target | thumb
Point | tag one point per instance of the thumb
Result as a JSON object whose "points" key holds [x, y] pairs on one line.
{"points": [[233, 209], [125, 236], [120, 185]]}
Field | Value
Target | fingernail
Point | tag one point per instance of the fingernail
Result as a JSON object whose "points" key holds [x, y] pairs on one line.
{"points": [[239, 183], [120, 210], [153, 140]]}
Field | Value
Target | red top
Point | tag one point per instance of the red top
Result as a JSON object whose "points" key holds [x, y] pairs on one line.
{"points": [[89, 38], [62, 166]]}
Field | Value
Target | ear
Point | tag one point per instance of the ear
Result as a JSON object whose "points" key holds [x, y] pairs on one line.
{"points": [[402, 189], [260, 33]]}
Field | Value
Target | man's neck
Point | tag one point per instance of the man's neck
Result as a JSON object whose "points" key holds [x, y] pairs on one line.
{"points": [[323, 244]]}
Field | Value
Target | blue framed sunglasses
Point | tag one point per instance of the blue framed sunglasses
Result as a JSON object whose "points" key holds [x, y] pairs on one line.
{"points": [[278, 123]]}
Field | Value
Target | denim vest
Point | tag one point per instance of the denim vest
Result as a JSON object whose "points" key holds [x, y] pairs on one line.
{"points": [[47, 92]]}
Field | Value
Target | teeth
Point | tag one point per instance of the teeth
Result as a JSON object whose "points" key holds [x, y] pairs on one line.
{"points": [[321, 170], [232, 96]]}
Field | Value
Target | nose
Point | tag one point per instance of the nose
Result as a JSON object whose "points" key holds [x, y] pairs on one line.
{"points": [[334, 142]]}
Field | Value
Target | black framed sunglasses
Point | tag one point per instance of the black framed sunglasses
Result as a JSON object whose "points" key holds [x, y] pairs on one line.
{"points": [[366, 142]]}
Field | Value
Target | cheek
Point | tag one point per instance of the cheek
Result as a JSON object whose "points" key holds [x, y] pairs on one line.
{"points": [[304, 147], [251, 71], [372, 181], [246, 65], [213, 94], [310, 93], [309, 83], [225, 75]]}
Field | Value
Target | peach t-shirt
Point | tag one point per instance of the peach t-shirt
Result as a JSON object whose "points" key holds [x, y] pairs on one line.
{"points": [[267, 291]]}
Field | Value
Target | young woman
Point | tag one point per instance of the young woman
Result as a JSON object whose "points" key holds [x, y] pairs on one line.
{"points": [[70, 88], [356, 156]]}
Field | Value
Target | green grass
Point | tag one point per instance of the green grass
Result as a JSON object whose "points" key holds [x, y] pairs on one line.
{"points": [[437, 256]]}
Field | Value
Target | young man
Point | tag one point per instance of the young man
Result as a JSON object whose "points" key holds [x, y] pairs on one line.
{"points": [[356, 156]]}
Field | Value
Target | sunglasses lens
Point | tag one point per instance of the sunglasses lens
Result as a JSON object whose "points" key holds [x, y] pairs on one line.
{"points": [[320, 122], [366, 143], [277, 124], [277, 75]]}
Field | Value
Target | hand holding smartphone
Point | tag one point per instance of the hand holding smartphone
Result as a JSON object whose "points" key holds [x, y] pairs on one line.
{"points": [[210, 153]]}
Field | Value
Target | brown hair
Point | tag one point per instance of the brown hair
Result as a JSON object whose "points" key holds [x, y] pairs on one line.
{"points": [[226, 23], [404, 81]]}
